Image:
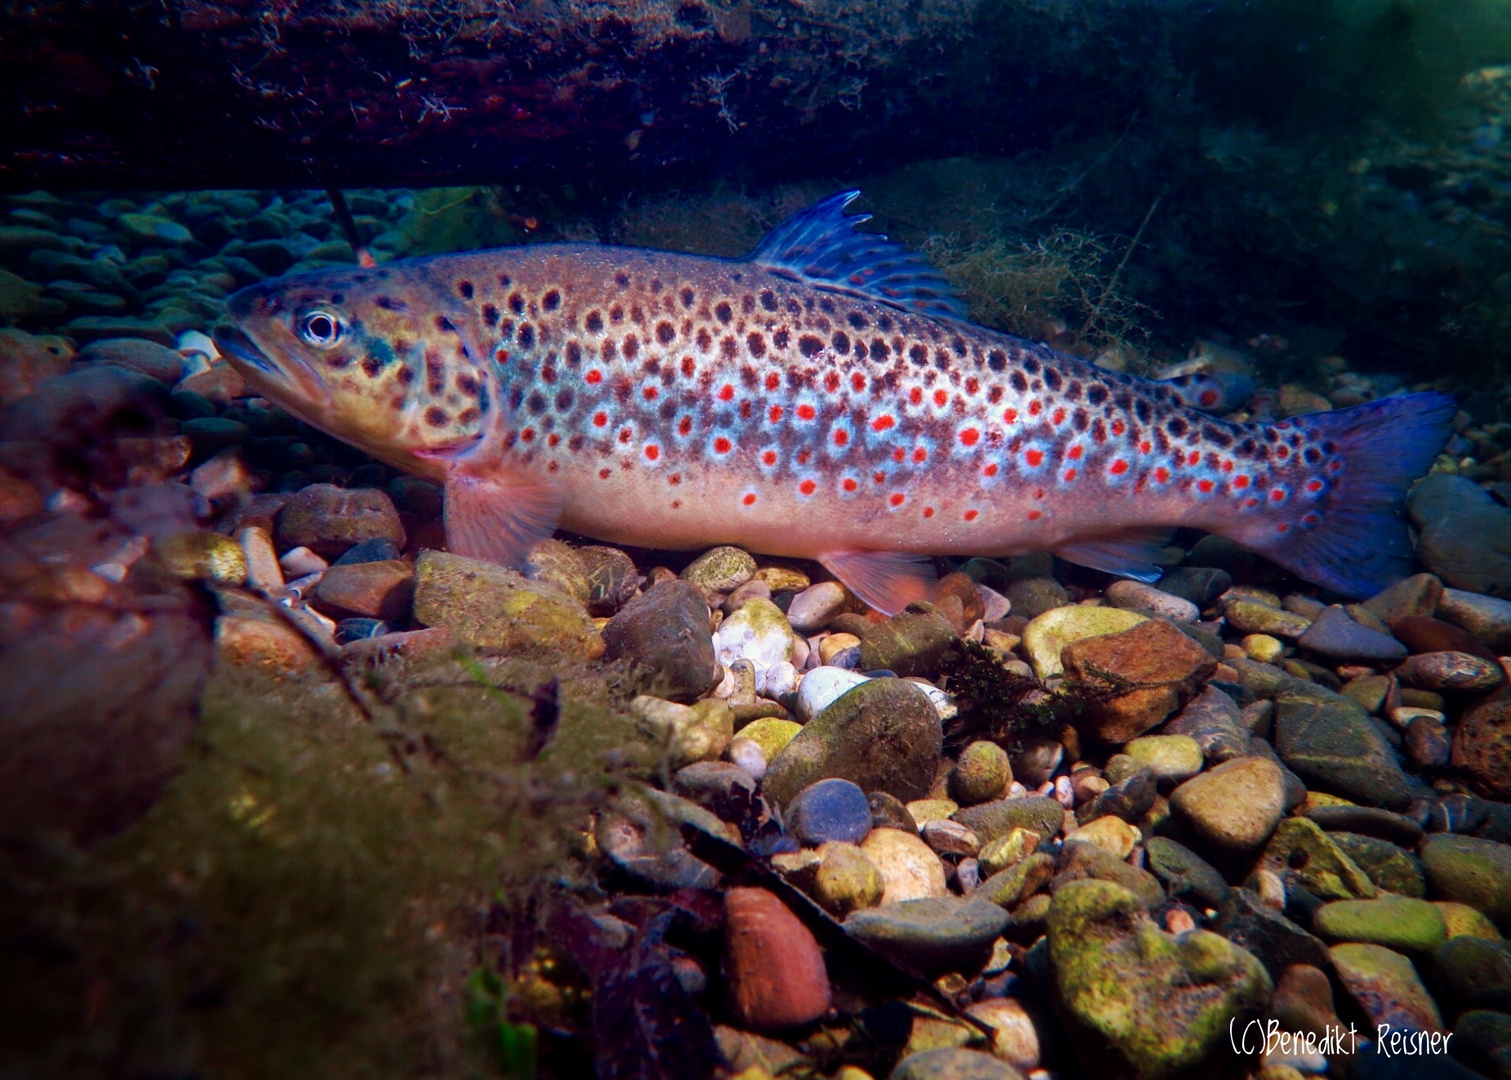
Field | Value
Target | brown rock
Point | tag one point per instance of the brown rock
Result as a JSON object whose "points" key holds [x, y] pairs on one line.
{"points": [[136, 354], [1168, 666], [1482, 745], [1424, 634], [405, 645], [26, 360], [328, 520], [972, 607], [379, 590], [270, 645], [220, 382], [1303, 1001], [1450, 671], [774, 966]]}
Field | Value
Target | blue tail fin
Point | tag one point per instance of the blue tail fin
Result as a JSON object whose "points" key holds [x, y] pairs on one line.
{"points": [[1351, 538]]}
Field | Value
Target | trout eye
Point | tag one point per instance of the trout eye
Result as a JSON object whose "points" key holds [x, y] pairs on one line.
{"points": [[322, 329]]}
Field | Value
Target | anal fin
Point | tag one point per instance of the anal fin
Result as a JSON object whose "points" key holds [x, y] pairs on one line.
{"points": [[1128, 554], [499, 519], [887, 580]]}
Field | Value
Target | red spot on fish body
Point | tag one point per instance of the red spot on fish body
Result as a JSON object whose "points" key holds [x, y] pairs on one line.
{"points": [[972, 515], [726, 392], [684, 426], [593, 377], [882, 423], [928, 511], [990, 470], [897, 499], [749, 499], [774, 414], [1240, 482], [1010, 416], [805, 412], [915, 395], [1162, 475], [920, 454], [1118, 427], [1035, 458], [773, 381], [1034, 408], [849, 484], [841, 437], [1204, 486], [1057, 417], [1074, 453], [600, 419], [1209, 397], [807, 487], [1119, 467], [970, 437], [941, 398], [652, 452], [1035, 515], [722, 445]]}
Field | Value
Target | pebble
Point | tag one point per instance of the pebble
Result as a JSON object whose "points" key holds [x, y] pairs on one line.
{"points": [[1488, 618], [1299, 846], [264, 572], [980, 774], [1391, 867], [494, 608], [378, 590], [771, 734], [846, 880], [665, 630], [1333, 634], [720, 569], [1422, 634], [1328, 740], [1110, 833], [883, 735], [719, 787], [1233, 807], [840, 650], [1417, 595], [1169, 667], [1150, 601], [1465, 536], [822, 687], [831, 809], [757, 632], [1263, 648], [909, 868], [1482, 746], [815, 606], [299, 562], [328, 519], [1170, 759], [1214, 721], [1048, 633], [1471, 871], [1452, 671], [932, 934], [684, 734], [1187, 877], [136, 354], [774, 966], [1396, 922], [999, 817], [1385, 986], [952, 1063], [890, 812], [1246, 616], [748, 755], [912, 642], [1368, 821], [1473, 973]]}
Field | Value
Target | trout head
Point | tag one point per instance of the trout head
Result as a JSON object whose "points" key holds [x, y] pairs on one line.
{"points": [[367, 355]]}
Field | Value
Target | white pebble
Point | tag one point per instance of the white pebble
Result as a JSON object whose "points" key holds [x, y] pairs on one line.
{"points": [[746, 753], [1064, 794], [300, 561], [812, 608], [997, 605], [777, 680], [821, 687]]}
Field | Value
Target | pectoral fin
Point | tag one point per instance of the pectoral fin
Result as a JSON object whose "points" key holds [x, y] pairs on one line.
{"points": [[1130, 553], [499, 520], [887, 580]]}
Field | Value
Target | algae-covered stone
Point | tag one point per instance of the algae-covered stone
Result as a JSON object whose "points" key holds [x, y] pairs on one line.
{"points": [[1007, 850], [491, 607], [202, 556], [981, 774], [720, 569], [1010, 887], [1186, 875], [990, 820], [883, 735], [1047, 634], [1171, 759], [1300, 846], [1461, 920], [1083, 861], [932, 934], [1397, 922], [1473, 973], [1386, 987], [771, 734], [1140, 1002], [1472, 871], [686, 733], [1329, 740], [912, 642], [328, 519], [846, 880], [1392, 868]]}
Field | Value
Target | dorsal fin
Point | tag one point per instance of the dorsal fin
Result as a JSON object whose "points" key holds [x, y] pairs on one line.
{"points": [[820, 245]]}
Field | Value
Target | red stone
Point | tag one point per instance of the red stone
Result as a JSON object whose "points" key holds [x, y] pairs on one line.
{"points": [[774, 966]]}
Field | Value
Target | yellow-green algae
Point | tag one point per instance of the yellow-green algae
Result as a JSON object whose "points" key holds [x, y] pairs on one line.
{"points": [[308, 897]]}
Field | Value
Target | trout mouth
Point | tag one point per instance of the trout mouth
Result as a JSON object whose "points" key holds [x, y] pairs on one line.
{"points": [[233, 342]]}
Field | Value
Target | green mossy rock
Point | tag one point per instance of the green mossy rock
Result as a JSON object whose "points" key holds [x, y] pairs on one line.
{"points": [[883, 735], [1472, 871], [1391, 867], [1142, 1003], [1300, 846], [912, 642], [1329, 740], [496, 609], [1397, 922]]}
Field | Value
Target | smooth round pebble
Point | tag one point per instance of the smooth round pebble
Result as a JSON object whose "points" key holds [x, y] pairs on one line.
{"points": [[821, 687], [932, 934], [846, 880], [1263, 648], [1110, 833], [1170, 758], [812, 608], [831, 809], [720, 569], [1148, 600], [981, 773], [909, 868], [1235, 806]]}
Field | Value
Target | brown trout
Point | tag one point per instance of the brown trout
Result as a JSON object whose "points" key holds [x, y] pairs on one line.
{"points": [[823, 398]]}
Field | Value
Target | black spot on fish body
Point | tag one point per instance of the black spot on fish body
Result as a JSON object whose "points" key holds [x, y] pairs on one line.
{"points": [[1052, 378], [526, 336], [858, 321], [622, 280], [1143, 410], [1019, 382], [464, 289], [1096, 393], [631, 347], [665, 333], [687, 296], [490, 315], [594, 322], [443, 324], [573, 354], [768, 300], [551, 301], [516, 303], [755, 343], [723, 312], [371, 366], [1030, 365], [1177, 426], [840, 342], [536, 403], [996, 360]]}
